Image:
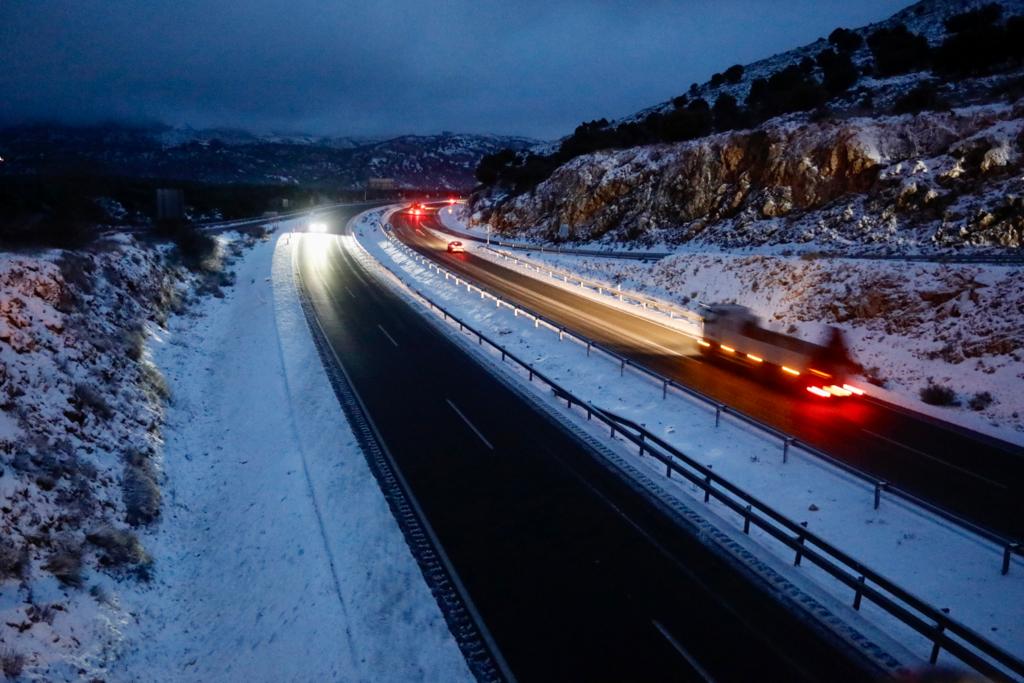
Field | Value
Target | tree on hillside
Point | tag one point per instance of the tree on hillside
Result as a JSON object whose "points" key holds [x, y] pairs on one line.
{"points": [[734, 73], [787, 90], [897, 50], [982, 18], [727, 113], [845, 40], [978, 44], [491, 166], [838, 70], [923, 97], [685, 124]]}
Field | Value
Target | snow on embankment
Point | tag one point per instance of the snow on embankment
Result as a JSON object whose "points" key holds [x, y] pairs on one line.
{"points": [[278, 558], [932, 180], [910, 325], [169, 529], [79, 437]]}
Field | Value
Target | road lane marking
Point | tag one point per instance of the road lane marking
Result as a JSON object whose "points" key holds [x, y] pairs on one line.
{"points": [[694, 664], [470, 424], [390, 338], [950, 465]]}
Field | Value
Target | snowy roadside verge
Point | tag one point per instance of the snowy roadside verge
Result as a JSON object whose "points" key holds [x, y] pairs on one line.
{"points": [[898, 541], [80, 421], [278, 558]]}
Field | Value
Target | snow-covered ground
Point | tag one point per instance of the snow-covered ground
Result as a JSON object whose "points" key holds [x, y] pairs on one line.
{"points": [[452, 218], [942, 564], [908, 324], [275, 556]]}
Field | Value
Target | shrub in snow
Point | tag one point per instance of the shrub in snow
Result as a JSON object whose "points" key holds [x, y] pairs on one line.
{"points": [[14, 560], [140, 491], [939, 395], [846, 40], [727, 112], [980, 401], [874, 376], [155, 383], [978, 44], [734, 73], [981, 18], [896, 50], [838, 69], [133, 341], [787, 90], [196, 249], [120, 547], [11, 663], [90, 399], [65, 563]]}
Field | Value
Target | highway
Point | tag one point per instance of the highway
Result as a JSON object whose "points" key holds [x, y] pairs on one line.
{"points": [[970, 474], [575, 574]]}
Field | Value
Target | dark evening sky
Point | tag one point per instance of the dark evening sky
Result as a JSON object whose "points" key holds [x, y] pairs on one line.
{"points": [[377, 68]]}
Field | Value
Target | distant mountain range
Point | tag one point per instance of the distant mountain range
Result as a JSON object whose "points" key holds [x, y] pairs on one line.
{"points": [[228, 156]]}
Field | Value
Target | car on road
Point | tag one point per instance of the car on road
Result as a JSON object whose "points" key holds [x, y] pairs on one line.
{"points": [[455, 247]]}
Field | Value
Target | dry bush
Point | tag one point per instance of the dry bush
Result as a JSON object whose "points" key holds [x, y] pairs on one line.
{"points": [[88, 397], [65, 563], [153, 380], [14, 560], [140, 491], [120, 547], [980, 401], [939, 395], [12, 663], [133, 341]]}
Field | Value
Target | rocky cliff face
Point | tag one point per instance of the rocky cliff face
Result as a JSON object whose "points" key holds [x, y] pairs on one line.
{"points": [[927, 180]]}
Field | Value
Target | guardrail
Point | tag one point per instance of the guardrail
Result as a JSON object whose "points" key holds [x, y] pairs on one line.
{"points": [[941, 630], [600, 253], [992, 259], [1010, 546], [603, 288]]}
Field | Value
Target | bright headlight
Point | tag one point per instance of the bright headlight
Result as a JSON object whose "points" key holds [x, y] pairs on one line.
{"points": [[317, 227]]}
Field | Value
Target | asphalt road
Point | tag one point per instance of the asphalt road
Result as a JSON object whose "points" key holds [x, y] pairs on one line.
{"points": [[973, 475], [576, 575]]}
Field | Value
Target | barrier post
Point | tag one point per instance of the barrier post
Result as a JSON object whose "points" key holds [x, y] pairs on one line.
{"points": [[1008, 550], [935, 644]]}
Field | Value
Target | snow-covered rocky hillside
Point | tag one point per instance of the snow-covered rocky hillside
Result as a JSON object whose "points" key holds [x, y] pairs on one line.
{"points": [[924, 182], [79, 443], [855, 166]]}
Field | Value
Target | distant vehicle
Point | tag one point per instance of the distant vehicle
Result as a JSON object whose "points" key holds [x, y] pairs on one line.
{"points": [[455, 247], [734, 332], [317, 226]]}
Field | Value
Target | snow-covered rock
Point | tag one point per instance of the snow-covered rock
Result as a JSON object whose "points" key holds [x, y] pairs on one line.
{"points": [[939, 179]]}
